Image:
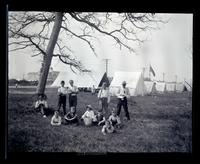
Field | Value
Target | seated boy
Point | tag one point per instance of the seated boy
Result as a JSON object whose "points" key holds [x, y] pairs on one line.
{"points": [[56, 119], [41, 104], [107, 128], [115, 119], [89, 117], [100, 118], [71, 116]]}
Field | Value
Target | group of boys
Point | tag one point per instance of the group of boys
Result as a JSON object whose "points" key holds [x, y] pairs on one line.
{"points": [[89, 117]]}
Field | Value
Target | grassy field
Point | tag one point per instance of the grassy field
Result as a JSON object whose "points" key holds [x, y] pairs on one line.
{"points": [[158, 124]]}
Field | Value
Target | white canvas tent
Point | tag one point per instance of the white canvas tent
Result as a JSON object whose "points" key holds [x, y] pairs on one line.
{"points": [[135, 82], [179, 87], [170, 87], [81, 80], [188, 85], [160, 87], [150, 87]]}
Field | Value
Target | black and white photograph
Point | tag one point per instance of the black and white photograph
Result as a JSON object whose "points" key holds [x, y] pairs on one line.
{"points": [[100, 82]]}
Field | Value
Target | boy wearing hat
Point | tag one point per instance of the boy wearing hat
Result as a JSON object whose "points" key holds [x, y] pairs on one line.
{"points": [[89, 116], [122, 95]]}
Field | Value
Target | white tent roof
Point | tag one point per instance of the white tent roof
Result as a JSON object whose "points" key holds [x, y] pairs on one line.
{"points": [[160, 86], [188, 84], [134, 80], [170, 87], [80, 79]]}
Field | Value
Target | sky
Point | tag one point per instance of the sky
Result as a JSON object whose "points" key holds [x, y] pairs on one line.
{"points": [[167, 50]]}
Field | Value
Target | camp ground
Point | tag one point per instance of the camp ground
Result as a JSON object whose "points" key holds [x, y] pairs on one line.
{"points": [[134, 80]]}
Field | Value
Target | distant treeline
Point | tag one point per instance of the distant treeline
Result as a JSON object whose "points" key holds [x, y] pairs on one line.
{"points": [[13, 82]]}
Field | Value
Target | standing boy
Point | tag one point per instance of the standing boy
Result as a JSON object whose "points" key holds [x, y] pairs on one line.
{"points": [[122, 94], [72, 91], [62, 97]]}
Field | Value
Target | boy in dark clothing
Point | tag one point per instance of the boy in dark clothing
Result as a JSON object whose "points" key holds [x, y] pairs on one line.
{"points": [[71, 117]]}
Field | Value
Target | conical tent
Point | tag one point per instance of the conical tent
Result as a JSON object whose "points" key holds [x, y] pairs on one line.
{"points": [[104, 79], [160, 87], [134, 80], [150, 87]]}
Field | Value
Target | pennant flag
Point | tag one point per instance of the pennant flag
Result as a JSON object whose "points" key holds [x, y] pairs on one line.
{"points": [[152, 71]]}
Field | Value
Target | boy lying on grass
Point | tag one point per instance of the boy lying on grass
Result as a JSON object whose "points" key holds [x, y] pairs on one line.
{"points": [[107, 128], [41, 104], [71, 116], [56, 119], [89, 117], [115, 119]]}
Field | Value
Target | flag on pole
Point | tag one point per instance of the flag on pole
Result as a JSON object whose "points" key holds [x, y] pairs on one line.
{"points": [[152, 71]]}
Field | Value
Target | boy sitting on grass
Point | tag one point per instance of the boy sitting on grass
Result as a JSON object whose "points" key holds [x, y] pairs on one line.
{"points": [[89, 117], [41, 104], [71, 116], [100, 118], [115, 119], [56, 119], [107, 128]]}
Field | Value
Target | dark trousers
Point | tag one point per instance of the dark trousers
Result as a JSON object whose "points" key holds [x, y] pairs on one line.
{"points": [[42, 109], [72, 101], [123, 103], [62, 102]]}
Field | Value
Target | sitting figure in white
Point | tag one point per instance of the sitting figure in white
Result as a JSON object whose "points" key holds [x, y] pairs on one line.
{"points": [[89, 116], [115, 119], [56, 119], [107, 128]]}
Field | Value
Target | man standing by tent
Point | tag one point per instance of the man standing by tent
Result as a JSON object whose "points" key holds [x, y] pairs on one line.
{"points": [[122, 94], [72, 91]]}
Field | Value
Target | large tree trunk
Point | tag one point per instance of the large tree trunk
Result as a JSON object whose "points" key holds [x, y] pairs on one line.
{"points": [[49, 53]]}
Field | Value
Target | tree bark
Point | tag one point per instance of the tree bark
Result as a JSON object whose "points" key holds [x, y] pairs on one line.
{"points": [[49, 53]]}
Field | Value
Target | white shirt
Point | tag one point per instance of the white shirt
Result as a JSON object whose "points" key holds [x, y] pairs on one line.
{"points": [[104, 93], [56, 121], [89, 114], [44, 102], [123, 92], [62, 90], [73, 90]]}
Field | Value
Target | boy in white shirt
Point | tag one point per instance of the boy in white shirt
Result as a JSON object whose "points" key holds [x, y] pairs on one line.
{"points": [[72, 91], [104, 98], [62, 97], [41, 104], [56, 119], [122, 94], [89, 116], [107, 128]]}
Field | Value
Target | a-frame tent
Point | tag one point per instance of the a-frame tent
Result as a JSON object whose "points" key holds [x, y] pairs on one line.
{"points": [[134, 80], [179, 87], [81, 80]]}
